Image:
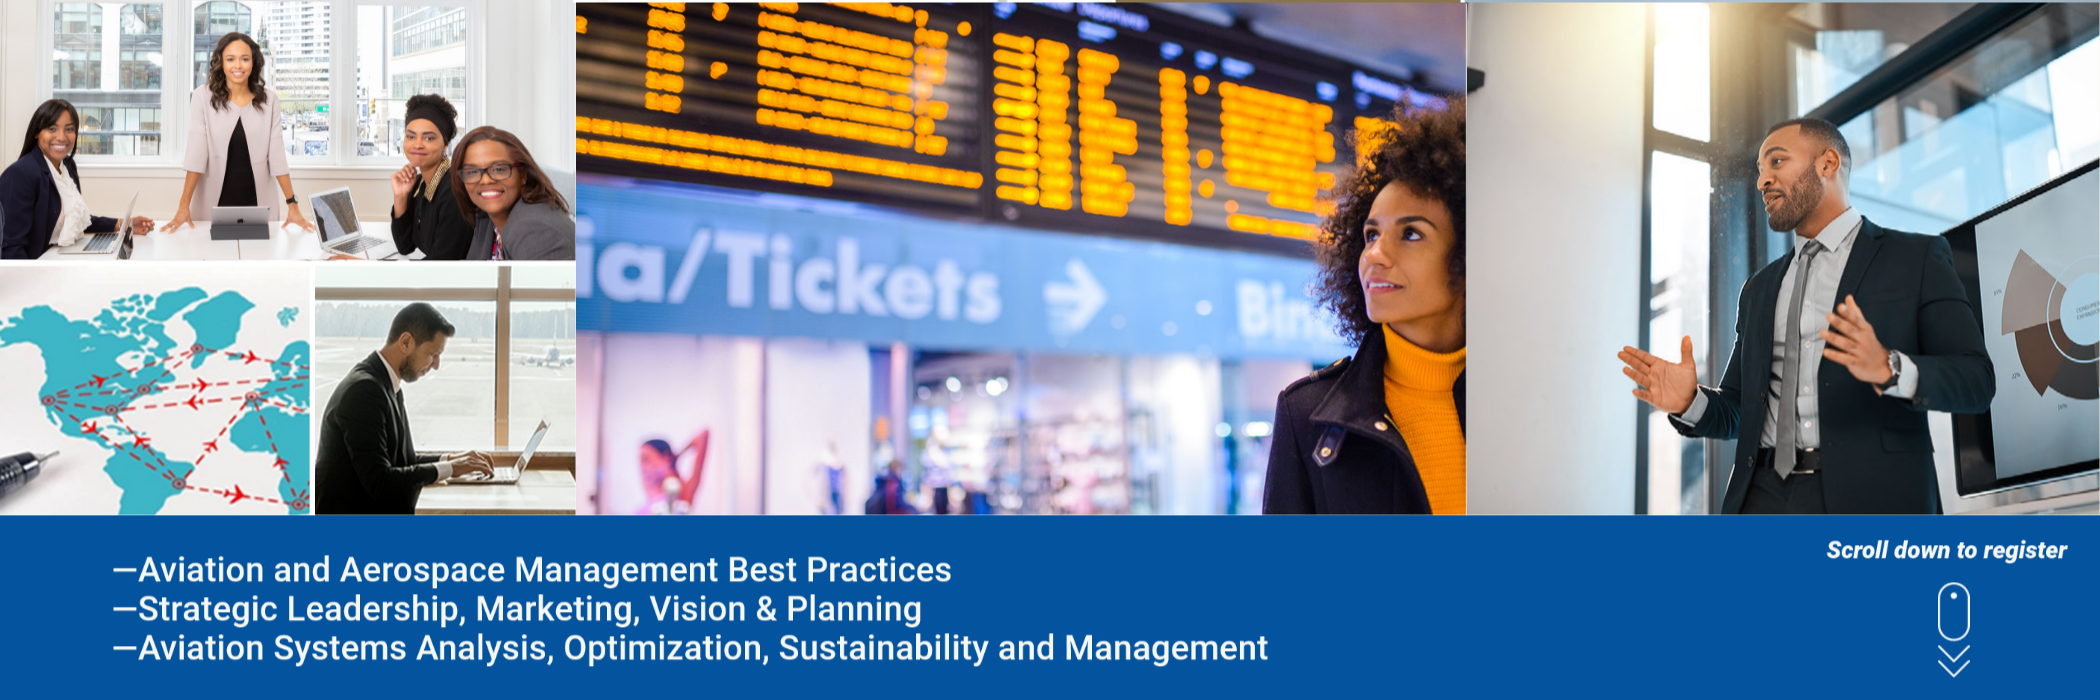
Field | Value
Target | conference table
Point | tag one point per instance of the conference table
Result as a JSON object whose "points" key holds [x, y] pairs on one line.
{"points": [[194, 242]]}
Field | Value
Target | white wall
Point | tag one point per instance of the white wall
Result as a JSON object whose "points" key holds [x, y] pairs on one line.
{"points": [[525, 42], [1553, 283], [818, 393]]}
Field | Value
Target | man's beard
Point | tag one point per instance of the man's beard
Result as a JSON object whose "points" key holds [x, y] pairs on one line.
{"points": [[408, 373], [1799, 200]]}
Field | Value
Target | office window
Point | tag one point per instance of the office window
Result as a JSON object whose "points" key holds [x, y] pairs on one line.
{"points": [[1678, 264], [1832, 45], [2009, 115], [421, 51], [112, 56], [1682, 71], [515, 348], [77, 50]]}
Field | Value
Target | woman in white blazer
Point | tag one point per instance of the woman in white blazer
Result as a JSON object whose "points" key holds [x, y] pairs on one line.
{"points": [[235, 145]]}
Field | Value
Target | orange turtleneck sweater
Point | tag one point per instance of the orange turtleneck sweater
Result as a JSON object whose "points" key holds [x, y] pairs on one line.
{"points": [[1418, 393]]}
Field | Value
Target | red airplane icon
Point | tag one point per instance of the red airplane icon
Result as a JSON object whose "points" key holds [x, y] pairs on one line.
{"points": [[98, 381], [236, 496], [201, 385], [280, 463], [192, 403], [212, 446], [140, 441], [89, 427], [251, 357]]}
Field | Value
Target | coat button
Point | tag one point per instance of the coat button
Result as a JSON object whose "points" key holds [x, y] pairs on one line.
{"points": [[1325, 451], [1379, 425]]}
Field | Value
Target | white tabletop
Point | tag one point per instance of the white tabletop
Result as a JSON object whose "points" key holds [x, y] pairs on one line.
{"points": [[538, 492], [194, 242]]}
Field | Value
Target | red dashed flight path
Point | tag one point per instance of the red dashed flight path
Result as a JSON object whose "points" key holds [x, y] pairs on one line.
{"points": [[133, 444]]}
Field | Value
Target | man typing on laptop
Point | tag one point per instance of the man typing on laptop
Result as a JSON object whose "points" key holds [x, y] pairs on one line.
{"points": [[367, 461]]}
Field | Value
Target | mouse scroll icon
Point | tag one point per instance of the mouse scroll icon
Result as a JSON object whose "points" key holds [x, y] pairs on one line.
{"points": [[1954, 612]]}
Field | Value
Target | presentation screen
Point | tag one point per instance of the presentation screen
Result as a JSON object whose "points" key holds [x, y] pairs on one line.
{"points": [[2032, 267]]}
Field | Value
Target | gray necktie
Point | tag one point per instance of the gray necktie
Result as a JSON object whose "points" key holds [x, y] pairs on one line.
{"points": [[1790, 368]]}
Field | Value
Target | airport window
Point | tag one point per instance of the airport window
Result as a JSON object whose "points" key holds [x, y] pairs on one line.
{"points": [[109, 56], [510, 365], [2007, 115]]}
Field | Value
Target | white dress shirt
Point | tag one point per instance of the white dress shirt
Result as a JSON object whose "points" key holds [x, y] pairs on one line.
{"points": [[1818, 300]]}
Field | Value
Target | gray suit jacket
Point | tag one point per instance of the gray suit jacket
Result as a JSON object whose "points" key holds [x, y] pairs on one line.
{"points": [[536, 232]]}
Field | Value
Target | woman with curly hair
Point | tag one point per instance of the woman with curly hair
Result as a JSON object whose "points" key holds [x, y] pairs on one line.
{"points": [[1384, 432], [233, 161]]}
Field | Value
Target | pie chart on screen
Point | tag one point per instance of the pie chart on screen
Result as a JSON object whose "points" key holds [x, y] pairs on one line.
{"points": [[2054, 318]]}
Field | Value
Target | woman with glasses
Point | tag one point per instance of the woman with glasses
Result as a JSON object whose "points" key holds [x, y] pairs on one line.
{"points": [[235, 145], [517, 214], [426, 216]]}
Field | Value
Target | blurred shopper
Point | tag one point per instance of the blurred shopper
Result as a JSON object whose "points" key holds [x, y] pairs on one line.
{"points": [[888, 498], [664, 491], [1385, 432], [1839, 424]]}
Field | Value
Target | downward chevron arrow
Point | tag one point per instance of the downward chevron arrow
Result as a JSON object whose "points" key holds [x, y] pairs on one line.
{"points": [[1951, 658], [1953, 672]]}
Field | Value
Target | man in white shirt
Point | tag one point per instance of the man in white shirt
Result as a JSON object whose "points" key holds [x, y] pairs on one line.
{"points": [[368, 461], [1857, 332]]}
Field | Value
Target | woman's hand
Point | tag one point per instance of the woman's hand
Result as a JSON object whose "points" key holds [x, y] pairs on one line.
{"points": [[404, 182], [141, 225], [294, 218], [182, 218]]}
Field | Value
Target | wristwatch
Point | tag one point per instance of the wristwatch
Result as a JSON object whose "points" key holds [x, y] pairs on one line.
{"points": [[1895, 372], [294, 199]]}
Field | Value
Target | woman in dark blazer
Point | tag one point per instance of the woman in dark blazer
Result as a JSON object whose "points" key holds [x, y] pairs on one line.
{"points": [[30, 190], [1384, 432], [426, 215], [517, 214]]}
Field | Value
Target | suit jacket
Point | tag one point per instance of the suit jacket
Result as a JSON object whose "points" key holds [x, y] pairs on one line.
{"points": [[368, 462], [1329, 453], [535, 232], [210, 132], [31, 207], [1877, 450]]}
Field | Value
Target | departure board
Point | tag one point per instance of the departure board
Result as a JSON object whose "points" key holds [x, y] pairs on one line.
{"points": [[1090, 118]]}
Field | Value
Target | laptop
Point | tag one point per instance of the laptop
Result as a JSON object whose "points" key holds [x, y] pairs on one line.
{"points": [[509, 475], [118, 241], [337, 217], [240, 223]]}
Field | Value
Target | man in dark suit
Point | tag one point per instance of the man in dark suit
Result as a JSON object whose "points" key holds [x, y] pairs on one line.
{"points": [[1842, 345], [368, 461]]}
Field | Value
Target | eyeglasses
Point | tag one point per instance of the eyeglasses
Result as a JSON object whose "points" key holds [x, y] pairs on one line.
{"points": [[498, 172]]}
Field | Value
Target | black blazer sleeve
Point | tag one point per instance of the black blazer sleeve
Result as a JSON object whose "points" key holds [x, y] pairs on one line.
{"points": [[364, 419], [404, 225], [18, 195], [1724, 404], [1954, 372], [1288, 488], [96, 224]]}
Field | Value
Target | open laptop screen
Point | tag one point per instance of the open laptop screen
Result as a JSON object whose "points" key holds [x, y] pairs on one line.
{"points": [[333, 211]]}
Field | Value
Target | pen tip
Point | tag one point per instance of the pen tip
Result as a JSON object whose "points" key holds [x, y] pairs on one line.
{"points": [[46, 457]]}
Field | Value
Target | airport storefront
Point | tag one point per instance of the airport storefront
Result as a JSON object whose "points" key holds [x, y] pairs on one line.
{"points": [[1004, 370]]}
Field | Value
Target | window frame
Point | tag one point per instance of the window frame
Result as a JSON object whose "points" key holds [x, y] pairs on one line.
{"points": [[178, 58], [502, 294]]}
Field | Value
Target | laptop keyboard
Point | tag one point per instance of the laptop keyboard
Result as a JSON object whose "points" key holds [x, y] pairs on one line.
{"points": [[357, 245], [101, 243]]}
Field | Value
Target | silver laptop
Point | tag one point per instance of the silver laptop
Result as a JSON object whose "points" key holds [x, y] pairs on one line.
{"points": [[337, 217], [240, 223], [118, 241], [509, 475]]}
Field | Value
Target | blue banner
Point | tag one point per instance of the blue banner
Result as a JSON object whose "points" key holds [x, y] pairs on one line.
{"points": [[1043, 607], [656, 260]]}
